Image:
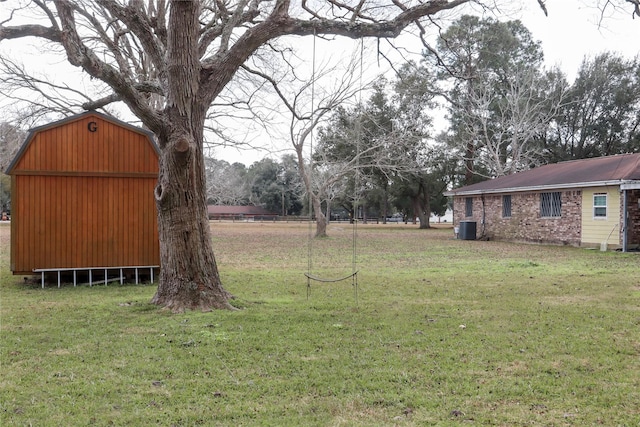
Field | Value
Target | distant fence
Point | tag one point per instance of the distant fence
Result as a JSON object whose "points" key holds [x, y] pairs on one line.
{"points": [[279, 218], [295, 218]]}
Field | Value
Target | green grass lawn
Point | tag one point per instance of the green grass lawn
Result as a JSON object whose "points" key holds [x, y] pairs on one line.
{"points": [[443, 332]]}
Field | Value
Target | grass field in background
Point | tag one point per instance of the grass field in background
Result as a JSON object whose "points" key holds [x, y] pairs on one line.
{"points": [[443, 332]]}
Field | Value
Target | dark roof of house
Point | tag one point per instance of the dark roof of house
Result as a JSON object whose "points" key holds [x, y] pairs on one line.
{"points": [[600, 171], [238, 210]]}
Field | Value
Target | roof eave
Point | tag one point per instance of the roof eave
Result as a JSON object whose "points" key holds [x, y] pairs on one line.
{"points": [[630, 185], [617, 182]]}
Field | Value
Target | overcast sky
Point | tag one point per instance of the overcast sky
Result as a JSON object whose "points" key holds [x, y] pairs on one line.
{"points": [[572, 31]]}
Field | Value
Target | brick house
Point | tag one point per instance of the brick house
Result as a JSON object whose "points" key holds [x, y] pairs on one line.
{"points": [[588, 203]]}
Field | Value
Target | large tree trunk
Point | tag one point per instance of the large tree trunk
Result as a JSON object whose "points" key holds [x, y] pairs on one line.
{"points": [[305, 173], [189, 276], [321, 219], [423, 218], [421, 207]]}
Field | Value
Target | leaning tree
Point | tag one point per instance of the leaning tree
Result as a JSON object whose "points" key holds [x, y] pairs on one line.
{"points": [[168, 61]]}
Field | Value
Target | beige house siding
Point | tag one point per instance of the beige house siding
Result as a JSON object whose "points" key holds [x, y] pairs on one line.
{"points": [[598, 230]]}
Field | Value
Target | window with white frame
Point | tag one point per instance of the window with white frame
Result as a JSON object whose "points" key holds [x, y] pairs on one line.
{"points": [[550, 204], [600, 205], [506, 206]]}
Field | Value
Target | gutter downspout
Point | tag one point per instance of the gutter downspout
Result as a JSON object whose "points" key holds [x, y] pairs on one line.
{"points": [[625, 214], [484, 216]]}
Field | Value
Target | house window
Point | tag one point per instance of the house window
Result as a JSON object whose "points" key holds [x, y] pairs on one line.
{"points": [[600, 205], [550, 204], [468, 206], [506, 206]]}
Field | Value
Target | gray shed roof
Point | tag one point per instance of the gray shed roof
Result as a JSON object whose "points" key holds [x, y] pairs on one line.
{"points": [[599, 171]]}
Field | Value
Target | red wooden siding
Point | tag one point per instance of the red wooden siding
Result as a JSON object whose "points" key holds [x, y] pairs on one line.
{"points": [[72, 148], [84, 199]]}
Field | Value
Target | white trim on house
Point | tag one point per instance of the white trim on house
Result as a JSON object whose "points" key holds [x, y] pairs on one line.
{"points": [[630, 185], [624, 185]]}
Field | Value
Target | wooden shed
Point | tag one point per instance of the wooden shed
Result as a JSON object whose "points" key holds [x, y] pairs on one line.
{"points": [[82, 198]]}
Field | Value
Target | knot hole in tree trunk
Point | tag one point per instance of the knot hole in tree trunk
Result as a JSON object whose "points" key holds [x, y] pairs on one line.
{"points": [[182, 148], [159, 193]]}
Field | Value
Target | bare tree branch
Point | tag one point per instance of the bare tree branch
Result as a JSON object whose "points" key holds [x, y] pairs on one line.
{"points": [[506, 128], [636, 7]]}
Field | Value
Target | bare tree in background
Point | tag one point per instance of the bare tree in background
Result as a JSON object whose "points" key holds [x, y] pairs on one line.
{"points": [[324, 174], [169, 62], [11, 137], [226, 183], [507, 128], [306, 108]]}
